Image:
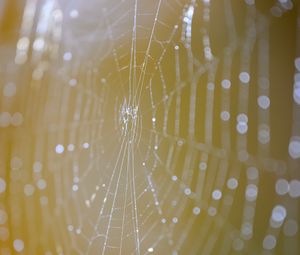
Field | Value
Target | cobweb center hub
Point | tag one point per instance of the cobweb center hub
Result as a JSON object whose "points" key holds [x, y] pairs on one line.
{"points": [[128, 119]]}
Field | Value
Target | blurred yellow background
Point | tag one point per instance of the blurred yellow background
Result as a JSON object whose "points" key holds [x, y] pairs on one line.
{"points": [[149, 127]]}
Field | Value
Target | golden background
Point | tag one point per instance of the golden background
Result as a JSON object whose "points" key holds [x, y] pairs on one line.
{"points": [[149, 127]]}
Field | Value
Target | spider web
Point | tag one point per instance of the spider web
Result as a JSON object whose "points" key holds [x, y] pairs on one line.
{"points": [[154, 131]]}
